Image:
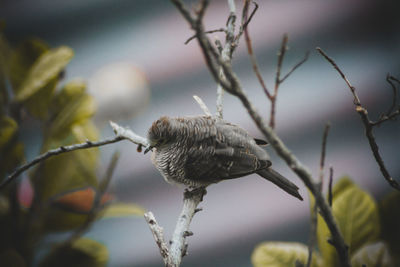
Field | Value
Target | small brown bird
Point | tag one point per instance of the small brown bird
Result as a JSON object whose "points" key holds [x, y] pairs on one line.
{"points": [[202, 150]]}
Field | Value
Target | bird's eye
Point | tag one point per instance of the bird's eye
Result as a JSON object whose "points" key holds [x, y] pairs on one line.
{"points": [[161, 141]]}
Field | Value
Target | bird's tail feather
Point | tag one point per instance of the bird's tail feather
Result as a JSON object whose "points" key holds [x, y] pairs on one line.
{"points": [[282, 182]]}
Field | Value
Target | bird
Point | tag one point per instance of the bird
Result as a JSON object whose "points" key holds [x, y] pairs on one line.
{"points": [[202, 150]]}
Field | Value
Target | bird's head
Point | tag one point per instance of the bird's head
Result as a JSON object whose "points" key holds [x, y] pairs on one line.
{"points": [[160, 132]]}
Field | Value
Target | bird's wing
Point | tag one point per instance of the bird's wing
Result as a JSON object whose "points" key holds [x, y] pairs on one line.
{"points": [[230, 153]]}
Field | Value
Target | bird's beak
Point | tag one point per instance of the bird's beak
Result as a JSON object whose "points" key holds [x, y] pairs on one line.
{"points": [[148, 149]]}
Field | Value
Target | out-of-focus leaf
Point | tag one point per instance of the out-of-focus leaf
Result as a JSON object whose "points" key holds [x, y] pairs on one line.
{"points": [[121, 210], [4, 54], [376, 254], [4, 205], [72, 105], [356, 214], [70, 210], [11, 156], [281, 254], [389, 209], [68, 171], [84, 252], [60, 220], [22, 59], [44, 70], [80, 200], [11, 258], [8, 128], [38, 104]]}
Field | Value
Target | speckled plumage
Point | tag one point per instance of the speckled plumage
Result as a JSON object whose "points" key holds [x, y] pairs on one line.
{"points": [[198, 151]]}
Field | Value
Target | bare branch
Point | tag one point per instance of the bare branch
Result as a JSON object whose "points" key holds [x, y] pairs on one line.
{"points": [[158, 234], [281, 55], [384, 118], [323, 152], [190, 202], [301, 62], [245, 19], [121, 134], [207, 32], [128, 134], [394, 101], [368, 124], [254, 62], [226, 54], [233, 86], [330, 186], [333, 63], [202, 105], [314, 213]]}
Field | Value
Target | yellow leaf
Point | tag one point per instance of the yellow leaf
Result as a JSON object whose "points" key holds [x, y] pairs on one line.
{"points": [[281, 254], [72, 105], [375, 254], [121, 210], [22, 59], [357, 217]]}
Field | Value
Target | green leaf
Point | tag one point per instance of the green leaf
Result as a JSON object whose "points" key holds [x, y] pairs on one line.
{"points": [[22, 59], [84, 252], [44, 70], [281, 254], [357, 217], [38, 104], [376, 254], [121, 210], [72, 105], [389, 209], [67, 171]]}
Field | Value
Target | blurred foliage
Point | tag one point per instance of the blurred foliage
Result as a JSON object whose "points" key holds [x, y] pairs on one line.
{"points": [[370, 230], [276, 254], [64, 189], [83, 252]]}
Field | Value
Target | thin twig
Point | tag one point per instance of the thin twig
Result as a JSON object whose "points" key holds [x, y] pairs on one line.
{"points": [[245, 19], [330, 186], [233, 86], [389, 79], [121, 134], [333, 63], [323, 152], [384, 118], [208, 32], [202, 105], [281, 55], [254, 62], [158, 234], [226, 54], [313, 230], [301, 62], [368, 125]]}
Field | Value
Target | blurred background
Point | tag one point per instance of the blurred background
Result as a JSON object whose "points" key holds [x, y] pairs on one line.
{"points": [[133, 56]]}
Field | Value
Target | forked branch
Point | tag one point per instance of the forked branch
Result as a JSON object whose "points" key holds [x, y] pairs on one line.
{"points": [[232, 85], [368, 124]]}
